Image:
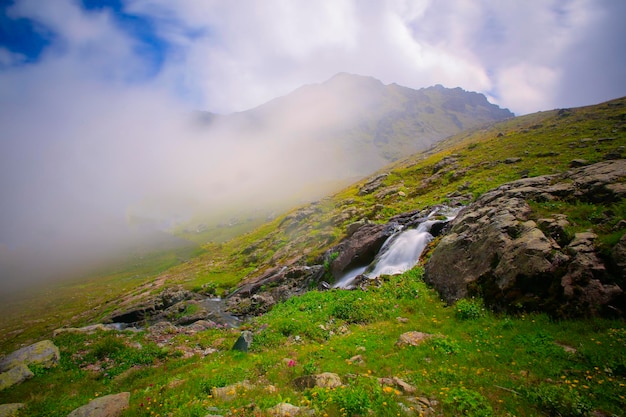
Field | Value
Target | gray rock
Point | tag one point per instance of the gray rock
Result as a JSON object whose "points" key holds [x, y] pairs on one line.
{"points": [[229, 393], [43, 353], [495, 251], [243, 343], [576, 163], [16, 375], [284, 410], [372, 184], [10, 410], [512, 160], [86, 329], [323, 380], [413, 338], [108, 406]]}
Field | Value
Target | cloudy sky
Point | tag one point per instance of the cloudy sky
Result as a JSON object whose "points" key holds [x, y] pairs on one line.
{"points": [[93, 92], [225, 56]]}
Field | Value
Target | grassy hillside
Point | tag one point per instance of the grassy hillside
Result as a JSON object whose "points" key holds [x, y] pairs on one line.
{"points": [[476, 364]]}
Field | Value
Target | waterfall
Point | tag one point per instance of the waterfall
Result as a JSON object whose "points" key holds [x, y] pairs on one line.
{"points": [[399, 253]]}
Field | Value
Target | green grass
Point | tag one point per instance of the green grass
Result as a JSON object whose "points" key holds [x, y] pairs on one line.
{"points": [[477, 364]]}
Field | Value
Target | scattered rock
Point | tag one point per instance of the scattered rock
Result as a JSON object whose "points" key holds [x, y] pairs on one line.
{"points": [[10, 410], [284, 410], [566, 348], [43, 353], [413, 338], [16, 375], [402, 319], [107, 406], [323, 380], [243, 343], [357, 359], [512, 160], [229, 392], [577, 163], [372, 185], [398, 383], [86, 330]]}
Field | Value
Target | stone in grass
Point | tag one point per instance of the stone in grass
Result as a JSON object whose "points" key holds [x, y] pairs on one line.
{"points": [[229, 392], [323, 380], [10, 410], [14, 376], [243, 343], [398, 383], [107, 406], [43, 353], [284, 410], [413, 338]]}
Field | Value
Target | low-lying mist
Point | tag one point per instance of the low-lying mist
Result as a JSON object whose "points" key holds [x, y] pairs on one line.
{"points": [[79, 165]]}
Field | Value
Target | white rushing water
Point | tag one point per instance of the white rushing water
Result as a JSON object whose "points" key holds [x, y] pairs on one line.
{"points": [[400, 252]]}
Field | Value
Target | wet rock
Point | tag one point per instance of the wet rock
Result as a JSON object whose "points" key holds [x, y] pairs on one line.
{"points": [[413, 338], [43, 353], [107, 406], [360, 248], [243, 343], [323, 380], [10, 410], [15, 375]]}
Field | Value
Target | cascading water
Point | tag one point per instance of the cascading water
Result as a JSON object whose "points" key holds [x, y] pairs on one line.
{"points": [[400, 252]]}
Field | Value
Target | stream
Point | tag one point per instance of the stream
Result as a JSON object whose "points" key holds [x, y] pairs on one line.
{"points": [[400, 252]]}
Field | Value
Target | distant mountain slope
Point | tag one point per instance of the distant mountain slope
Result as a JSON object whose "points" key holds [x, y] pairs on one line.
{"points": [[362, 123]]}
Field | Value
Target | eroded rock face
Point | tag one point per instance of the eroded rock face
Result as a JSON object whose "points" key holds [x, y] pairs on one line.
{"points": [[495, 250]]}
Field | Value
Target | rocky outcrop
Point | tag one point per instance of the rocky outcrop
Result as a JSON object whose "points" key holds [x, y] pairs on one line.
{"points": [[258, 294], [373, 184], [497, 249], [107, 406], [157, 308]]}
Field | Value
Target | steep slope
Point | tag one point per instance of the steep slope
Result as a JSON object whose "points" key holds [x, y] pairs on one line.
{"points": [[395, 348]]}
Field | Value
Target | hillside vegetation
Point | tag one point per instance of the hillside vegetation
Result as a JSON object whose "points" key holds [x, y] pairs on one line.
{"points": [[472, 362]]}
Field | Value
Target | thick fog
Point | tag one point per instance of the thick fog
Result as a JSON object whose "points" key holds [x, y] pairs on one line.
{"points": [[81, 161]]}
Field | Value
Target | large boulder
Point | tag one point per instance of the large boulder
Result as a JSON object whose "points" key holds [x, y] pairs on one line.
{"points": [[43, 353], [107, 406], [494, 249]]}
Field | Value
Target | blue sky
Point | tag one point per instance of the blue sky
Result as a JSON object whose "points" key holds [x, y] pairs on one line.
{"points": [[95, 95]]}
